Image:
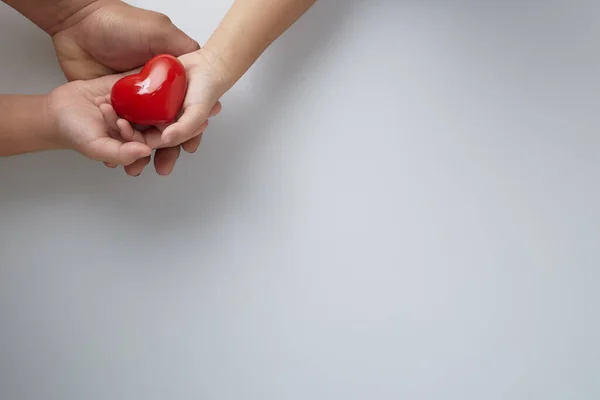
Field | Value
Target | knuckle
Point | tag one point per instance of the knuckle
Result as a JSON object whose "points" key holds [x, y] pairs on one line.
{"points": [[163, 19]]}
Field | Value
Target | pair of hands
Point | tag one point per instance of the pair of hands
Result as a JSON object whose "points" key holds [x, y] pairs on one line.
{"points": [[92, 52]]}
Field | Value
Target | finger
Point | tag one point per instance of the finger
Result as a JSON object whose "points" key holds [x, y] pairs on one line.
{"points": [[191, 146], [216, 109], [99, 100], [113, 151], [102, 100], [174, 41], [162, 127], [110, 117], [165, 159], [136, 168], [153, 138], [125, 129], [111, 132], [193, 138], [189, 123], [128, 133]]}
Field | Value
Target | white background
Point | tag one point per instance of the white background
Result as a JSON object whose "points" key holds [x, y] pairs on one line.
{"points": [[399, 201]]}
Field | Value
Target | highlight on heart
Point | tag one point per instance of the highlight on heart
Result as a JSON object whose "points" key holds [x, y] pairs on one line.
{"points": [[154, 114], [153, 96]]}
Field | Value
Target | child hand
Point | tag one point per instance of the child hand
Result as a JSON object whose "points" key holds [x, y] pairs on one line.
{"points": [[205, 87], [164, 157], [200, 103], [80, 126]]}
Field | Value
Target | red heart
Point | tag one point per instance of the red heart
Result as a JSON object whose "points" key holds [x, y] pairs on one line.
{"points": [[155, 95]]}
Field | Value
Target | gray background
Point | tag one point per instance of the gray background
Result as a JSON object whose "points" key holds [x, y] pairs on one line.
{"points": [[399, 201]]}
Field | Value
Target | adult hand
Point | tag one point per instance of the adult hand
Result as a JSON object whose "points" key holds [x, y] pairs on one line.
{"points": [[111, 36], [78, 124], [201, 102]]}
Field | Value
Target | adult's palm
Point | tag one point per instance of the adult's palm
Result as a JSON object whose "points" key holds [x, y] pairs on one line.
{"points": [[110, 36]]}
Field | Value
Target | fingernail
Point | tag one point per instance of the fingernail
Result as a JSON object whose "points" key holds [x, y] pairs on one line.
{"points": [[166, 172]]}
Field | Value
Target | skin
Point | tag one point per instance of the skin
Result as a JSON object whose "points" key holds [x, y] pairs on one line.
{"points": [[247, 30], [83, 32], [22, 134], [67, 118], [92, 39], [245, 33]]}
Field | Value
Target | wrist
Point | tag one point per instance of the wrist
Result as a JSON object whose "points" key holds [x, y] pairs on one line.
{"points": [[231, 54], [70, 12], [49, 129], [54, 15], [215, 73]]}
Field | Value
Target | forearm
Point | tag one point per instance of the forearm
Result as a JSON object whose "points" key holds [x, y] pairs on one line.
{"points": [[247, 30], [26, 125], [50, 14]]}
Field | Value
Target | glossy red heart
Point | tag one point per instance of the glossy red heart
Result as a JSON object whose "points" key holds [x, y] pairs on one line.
{"points": [[155, 95]]}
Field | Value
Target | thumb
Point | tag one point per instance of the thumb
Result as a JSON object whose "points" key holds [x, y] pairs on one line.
{"points": [[188, 125], [116, 152], [172, 40]]}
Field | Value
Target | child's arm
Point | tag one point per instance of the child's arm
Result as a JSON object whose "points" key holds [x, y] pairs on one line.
{"points": [[247, 30], [26, 125]]}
